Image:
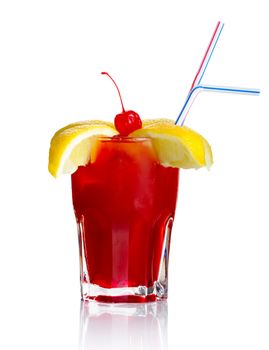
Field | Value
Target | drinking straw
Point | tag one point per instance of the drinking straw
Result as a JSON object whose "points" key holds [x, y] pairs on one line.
{"points": [[208, 54], [201, 71], [198, 88]]}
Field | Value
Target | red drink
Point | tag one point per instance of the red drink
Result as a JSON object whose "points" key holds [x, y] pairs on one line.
{"points": [[124, 203]]}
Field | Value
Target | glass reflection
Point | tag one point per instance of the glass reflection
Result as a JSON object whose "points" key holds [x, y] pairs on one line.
{"points": [[123, 326]]}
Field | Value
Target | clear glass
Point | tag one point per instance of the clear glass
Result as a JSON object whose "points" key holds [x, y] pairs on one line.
{"points": [[124, 203]]}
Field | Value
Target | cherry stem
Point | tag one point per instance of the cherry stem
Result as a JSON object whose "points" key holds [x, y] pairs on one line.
{"points": [[123, 110]]}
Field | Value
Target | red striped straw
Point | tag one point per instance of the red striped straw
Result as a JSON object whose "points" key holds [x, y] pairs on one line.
{"points": [[196, 86], [208, 54]]}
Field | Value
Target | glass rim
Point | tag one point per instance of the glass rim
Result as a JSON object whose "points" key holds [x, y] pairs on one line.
{"points": [[122, 139]]}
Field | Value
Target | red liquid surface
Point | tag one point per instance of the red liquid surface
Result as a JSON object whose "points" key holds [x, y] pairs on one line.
{"points": [[123, 201]]}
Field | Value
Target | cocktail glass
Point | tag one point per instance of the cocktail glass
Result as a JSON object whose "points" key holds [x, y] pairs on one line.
{"points": [[124, 203]]}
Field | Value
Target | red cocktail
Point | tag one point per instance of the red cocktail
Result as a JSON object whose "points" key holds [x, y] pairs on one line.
{"points": [[124, 203], [124, 184]]}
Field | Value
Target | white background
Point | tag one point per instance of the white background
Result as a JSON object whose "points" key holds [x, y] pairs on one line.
{"points": [[51, 56]]}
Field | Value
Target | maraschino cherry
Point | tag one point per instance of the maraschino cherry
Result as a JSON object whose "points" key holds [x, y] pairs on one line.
{"points": [[126, 121]]}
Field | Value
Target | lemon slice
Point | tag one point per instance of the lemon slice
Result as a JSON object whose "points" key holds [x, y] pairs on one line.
{"points": [[146, 123], [71, 145], [176, 146]]}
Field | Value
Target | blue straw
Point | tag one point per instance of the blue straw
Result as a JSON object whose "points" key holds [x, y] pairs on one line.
{"points": [[199, 88], [217, 39]]}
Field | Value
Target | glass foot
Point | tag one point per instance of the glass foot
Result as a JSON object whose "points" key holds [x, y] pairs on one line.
{"points": [[140, 294]]}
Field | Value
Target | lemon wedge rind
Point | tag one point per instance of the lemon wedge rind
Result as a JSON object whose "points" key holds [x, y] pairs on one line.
{"points": [[71, 146]]}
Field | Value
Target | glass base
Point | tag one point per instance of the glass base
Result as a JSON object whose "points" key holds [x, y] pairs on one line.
{"points": [[140, 294]]}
